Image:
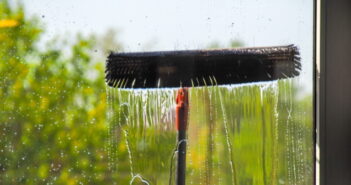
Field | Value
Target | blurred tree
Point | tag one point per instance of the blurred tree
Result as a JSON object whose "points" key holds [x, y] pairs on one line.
{"points": [[232, 44], [236, 43], [214, 45], [108, 42], [52, 123]]}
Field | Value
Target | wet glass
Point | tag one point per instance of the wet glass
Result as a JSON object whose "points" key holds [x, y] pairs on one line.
{"points": [[251, 134], [236, 135], [61, 124]]}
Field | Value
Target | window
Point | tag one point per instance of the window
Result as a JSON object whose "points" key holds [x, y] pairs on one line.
{"points": [[61, 124]]}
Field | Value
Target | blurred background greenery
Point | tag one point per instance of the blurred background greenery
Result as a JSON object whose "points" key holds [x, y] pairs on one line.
{"points": [[52, 115], [54, 128]]}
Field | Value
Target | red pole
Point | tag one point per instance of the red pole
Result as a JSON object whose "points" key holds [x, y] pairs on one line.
{"points": [[182, 109]]}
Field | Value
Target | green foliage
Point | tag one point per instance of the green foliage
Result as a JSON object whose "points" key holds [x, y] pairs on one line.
{"points": [[232, 44], [52, 122], [236, 43]]}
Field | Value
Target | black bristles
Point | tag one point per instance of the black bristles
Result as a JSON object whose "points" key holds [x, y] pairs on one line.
{"points": [[201, 67]]}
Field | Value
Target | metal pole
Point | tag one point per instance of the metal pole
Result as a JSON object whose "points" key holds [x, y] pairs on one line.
{"points": [[181, 124]]}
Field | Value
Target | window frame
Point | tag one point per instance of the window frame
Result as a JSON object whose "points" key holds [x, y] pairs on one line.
{"points": [[332, 100]]}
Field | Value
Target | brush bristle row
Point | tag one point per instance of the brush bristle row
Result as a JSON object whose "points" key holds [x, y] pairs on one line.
{"points": [[201, 67]]}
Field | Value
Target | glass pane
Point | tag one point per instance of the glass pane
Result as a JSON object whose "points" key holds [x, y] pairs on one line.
{"points": [[61, 124]]}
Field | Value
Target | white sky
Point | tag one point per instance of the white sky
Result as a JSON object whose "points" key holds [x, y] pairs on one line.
{"points": [[186, 24]]}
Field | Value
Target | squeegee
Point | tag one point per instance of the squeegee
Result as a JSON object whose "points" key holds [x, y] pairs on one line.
{"points": [[193, 68]]}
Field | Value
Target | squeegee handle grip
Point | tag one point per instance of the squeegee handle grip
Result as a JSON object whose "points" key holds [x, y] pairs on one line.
{"points": [[182, 109]]}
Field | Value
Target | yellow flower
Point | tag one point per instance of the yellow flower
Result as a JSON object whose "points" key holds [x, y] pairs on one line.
{"points": [[7, 23]]}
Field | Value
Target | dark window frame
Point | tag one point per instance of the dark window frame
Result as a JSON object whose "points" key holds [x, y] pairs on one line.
{"points": [[332, 88]]}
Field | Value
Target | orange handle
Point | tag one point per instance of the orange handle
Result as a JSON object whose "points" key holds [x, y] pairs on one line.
{"points": [[182, 109]]}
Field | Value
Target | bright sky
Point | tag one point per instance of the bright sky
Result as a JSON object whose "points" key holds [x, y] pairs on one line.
{"points": [[186, 24]]}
